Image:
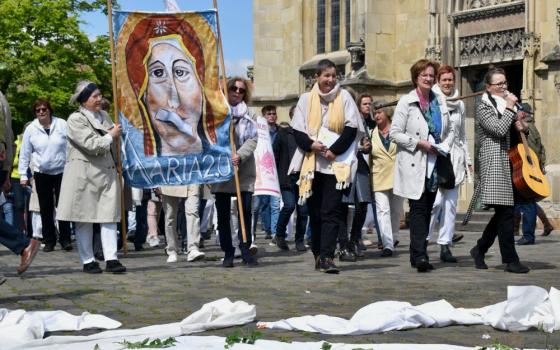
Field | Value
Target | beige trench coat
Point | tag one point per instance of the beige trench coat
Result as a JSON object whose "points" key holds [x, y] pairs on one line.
{"points": [[90, 190]]}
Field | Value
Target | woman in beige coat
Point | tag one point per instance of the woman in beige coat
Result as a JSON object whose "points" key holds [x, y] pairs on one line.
{"points": [[383, 156], [90, 191]]}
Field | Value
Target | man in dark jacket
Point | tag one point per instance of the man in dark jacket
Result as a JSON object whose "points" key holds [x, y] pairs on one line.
{"points": [[284, 148]]}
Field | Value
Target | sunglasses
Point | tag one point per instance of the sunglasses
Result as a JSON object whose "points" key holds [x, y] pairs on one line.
{"points": [[237, 89], [41, 109]]}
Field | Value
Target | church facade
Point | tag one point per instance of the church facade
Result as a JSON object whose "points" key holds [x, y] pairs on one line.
{"points": [[374, 43]]}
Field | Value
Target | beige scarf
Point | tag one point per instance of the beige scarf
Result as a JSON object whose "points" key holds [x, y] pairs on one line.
{"points": [[314, 122]]}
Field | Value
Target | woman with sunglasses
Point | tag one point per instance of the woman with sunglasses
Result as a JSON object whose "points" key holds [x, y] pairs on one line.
{"points": [[44, 150], [245, 137]]}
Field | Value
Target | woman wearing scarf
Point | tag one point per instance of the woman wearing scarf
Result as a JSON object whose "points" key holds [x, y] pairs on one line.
{"points": [[445, 205], [420, 122], [497, 127], [90, 190], [326, 128], [245, 143]]}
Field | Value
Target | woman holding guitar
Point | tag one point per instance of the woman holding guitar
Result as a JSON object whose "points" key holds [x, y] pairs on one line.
{"points": [[496, 123]]}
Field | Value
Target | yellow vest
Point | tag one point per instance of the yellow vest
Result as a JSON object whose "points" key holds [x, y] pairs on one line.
{"points": [[15, 164]]}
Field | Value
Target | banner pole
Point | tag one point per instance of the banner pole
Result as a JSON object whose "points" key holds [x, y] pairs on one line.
{"points": [[116, 120], [231, 132], [394, 103]]}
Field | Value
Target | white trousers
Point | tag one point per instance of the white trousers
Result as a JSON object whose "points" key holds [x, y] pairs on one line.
{"points": [[171, 207], [443, 213], [369, 223], [84, 240], [36, 224], [389, 207], [207, 215]]}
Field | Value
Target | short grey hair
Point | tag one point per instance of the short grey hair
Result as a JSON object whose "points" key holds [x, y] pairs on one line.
{"points": [[389, 110], [80, 86]]}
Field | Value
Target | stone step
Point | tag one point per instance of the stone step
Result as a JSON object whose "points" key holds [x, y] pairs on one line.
{"points": [[472, 226], [484, 215], [477, 222]]}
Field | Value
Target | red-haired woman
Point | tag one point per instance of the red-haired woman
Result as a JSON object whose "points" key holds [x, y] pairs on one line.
{"points": [[418, 124]]}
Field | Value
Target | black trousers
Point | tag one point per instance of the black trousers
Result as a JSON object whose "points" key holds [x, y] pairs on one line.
{"points": [[48, 191], [420, 215], [223, 207], [500, 225], [326, 213]]}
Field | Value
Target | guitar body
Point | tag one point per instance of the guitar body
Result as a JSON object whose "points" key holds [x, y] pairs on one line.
{"points": [[528, 178]]}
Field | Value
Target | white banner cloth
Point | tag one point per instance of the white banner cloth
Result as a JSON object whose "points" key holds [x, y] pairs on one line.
{"points": [[526, 307], [266, 182]]}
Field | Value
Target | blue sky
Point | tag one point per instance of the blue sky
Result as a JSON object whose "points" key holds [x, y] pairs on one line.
{"points": [[236, 25]]}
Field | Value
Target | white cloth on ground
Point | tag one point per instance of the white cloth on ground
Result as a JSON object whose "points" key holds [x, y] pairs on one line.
{"points": [[525, 307], [19, 326], [217, 314]]}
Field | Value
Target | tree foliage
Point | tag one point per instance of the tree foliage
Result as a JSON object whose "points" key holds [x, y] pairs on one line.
{"points": [[43, 53]]}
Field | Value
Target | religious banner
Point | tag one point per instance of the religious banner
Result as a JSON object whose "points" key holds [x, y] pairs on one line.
{"points": [[174, 116], [266, 182]]}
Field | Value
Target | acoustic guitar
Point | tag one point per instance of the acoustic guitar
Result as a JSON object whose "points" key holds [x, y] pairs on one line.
{"points": [[528, 178]]}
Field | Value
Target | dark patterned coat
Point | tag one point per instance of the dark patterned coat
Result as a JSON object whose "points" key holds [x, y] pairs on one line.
{"points": [[495, 172]]}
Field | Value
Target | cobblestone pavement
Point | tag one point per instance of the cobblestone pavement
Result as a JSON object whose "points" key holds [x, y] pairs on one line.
{"points": [[284, 285]]}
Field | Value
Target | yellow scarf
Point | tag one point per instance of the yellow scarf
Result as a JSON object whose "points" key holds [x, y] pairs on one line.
{"points": [[314, 122]]}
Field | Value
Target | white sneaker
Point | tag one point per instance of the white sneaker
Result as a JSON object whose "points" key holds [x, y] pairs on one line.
{"points": [[153, 241], [195, 255], [172, 258]]}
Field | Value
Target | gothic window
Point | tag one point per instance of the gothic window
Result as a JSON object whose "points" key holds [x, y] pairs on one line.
{"points": [[347, 20], [335, 25], [321, 14]]}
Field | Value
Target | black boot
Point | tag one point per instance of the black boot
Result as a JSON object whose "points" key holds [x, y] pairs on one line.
{"points": [[353, 248], [346, 255], [478, 258], [281, 243], [327, 265], [445, 254]]}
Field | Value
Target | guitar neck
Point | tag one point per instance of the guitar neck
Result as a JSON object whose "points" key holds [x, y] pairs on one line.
{"points": [[526, 148]]}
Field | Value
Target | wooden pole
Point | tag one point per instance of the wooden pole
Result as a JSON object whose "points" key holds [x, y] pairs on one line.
{"points": [[231, 131], [116, 117], [394, 103]]}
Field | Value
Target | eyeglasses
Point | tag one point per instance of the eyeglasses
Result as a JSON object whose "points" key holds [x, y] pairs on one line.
{"points": [[237, 89], [41, 109], [501, 84]]}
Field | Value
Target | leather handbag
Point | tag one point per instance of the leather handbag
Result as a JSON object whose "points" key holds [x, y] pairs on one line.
{"points": [[445, 174]]}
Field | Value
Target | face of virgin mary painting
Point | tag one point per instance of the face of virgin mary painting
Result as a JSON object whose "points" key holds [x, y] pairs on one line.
{"points": [[173, 98]]}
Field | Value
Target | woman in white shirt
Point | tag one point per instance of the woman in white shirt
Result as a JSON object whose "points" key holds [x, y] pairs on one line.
{"points": [[44, 150]]}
